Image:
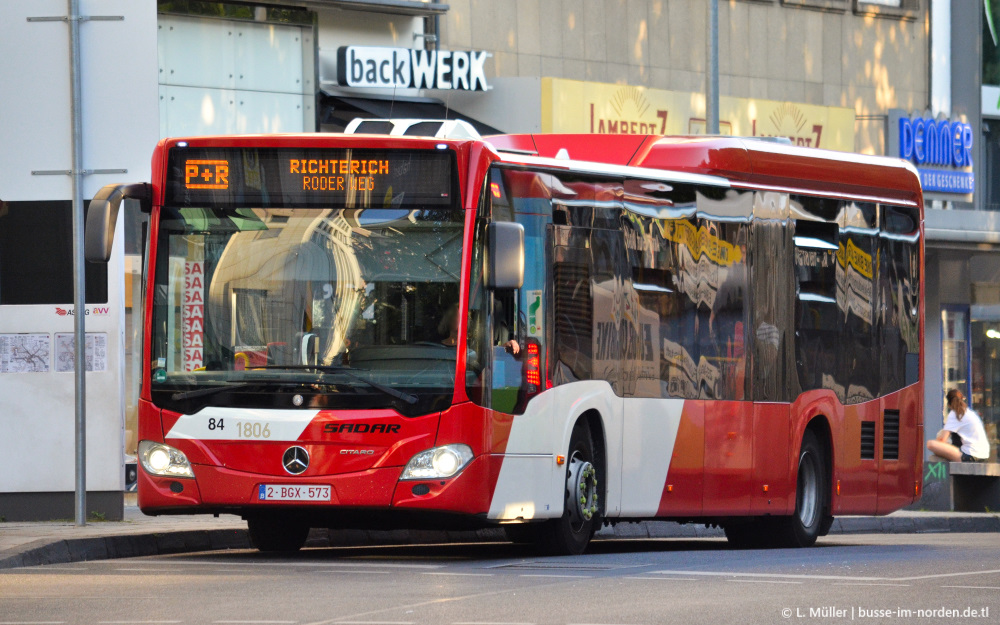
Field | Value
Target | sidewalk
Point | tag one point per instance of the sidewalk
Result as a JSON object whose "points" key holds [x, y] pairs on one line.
{"points": [[29, 544]]}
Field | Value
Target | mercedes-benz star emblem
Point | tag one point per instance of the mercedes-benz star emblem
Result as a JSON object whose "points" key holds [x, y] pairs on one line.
{"points": [[297, 400], [295, 460]]}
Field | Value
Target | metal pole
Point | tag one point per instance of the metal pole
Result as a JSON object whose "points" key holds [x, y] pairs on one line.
{"points": [[712, 75], [79, 304]]}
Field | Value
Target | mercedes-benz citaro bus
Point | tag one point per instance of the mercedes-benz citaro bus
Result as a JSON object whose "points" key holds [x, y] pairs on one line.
{"points": [[545, 333]]}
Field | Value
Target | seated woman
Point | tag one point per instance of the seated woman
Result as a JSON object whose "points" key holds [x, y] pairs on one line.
{"points": [[964, 423]]}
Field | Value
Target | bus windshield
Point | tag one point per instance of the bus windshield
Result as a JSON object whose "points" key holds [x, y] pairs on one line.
{"points": [[333, 308]]}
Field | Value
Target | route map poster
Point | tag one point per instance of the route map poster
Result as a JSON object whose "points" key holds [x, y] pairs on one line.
{"points": [[97, 351], [24, 353]]}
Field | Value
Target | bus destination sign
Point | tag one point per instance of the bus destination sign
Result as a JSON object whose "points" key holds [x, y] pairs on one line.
{"points": [[332, 175], [281, 177]]}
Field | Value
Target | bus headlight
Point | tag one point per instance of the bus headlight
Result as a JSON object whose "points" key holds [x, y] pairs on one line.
{"points": [[160, 459], [437, 463]]}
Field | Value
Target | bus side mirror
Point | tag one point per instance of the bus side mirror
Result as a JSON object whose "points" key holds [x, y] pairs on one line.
{"points": [[103, 214], [505, 265]]}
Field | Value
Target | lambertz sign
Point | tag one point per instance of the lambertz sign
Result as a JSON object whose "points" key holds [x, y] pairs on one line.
{"points": [[941, 149], [403, 68]]}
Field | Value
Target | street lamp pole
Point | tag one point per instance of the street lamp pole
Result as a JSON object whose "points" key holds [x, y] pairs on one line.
{"points": [[79, 300], [712, 73]]}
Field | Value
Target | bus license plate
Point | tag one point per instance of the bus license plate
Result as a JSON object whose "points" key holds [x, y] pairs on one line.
{"points": [[280, 492]]}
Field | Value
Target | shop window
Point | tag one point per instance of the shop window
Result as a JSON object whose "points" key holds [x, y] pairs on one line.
{"points": [[905, 9], [827, 5], [36, 256], [985, 343], [991, 56], [990, 180], [955, 348]]}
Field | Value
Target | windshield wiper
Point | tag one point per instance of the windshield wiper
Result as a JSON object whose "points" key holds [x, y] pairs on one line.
{"points": [[388, 390], [211, 390]]}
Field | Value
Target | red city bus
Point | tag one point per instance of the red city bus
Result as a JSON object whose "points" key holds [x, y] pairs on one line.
{"points": [[543, 332]]}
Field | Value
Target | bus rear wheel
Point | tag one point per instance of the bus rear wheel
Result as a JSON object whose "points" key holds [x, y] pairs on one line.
{"points": [[811, 487], [571, 533], [276, 534]]}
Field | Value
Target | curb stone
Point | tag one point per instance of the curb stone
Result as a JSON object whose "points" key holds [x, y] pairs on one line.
{"points": [[123, 546], [193, 541]]}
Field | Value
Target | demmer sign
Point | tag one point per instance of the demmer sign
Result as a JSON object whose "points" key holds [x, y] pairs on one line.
{"points": [[403, 68]]}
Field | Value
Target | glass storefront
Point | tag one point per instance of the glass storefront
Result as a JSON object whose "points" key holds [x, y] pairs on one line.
{"points": [[985, 371], [970, 351]]}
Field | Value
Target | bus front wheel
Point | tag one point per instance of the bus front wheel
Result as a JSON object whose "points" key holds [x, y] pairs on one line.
{"points": [[570, 533], [275, 534]]}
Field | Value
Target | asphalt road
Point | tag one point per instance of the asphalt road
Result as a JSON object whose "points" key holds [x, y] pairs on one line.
{"points": [[867, 578]]}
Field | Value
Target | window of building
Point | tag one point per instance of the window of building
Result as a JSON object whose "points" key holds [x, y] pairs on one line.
{"points": [[827, 5], [955, 347], [989, 181], [905, 9], [36, 256], [985, 344], [261, 77], [991, 45]]}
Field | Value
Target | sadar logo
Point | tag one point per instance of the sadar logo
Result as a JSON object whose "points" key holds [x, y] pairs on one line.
{"points": [[96, 311]]}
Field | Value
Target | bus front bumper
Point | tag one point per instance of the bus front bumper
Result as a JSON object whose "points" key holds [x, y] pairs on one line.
{"points": [[218, 489]]}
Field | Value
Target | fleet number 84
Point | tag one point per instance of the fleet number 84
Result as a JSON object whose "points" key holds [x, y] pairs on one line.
{"points": [[244, 429]]}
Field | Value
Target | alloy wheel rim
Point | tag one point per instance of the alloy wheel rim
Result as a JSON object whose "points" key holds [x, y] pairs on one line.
{"points": [[581, 487]]}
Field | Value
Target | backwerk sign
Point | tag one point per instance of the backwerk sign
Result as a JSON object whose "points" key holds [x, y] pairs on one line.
{"points": [[940, 149], [404, 68]]}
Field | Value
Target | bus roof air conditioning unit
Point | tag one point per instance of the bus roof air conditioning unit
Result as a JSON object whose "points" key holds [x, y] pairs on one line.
{"points": [[437, 128]]}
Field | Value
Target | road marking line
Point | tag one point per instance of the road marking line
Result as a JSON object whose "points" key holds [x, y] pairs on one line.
{"points": [[867, 584], [554, 575], [916, 577], [846, 578], [68, 598], [488, 623], [376, 565], [459, 574], [420, 604], [258, 622], [356, 572], [664, 579], [137, 622], [149, 570], [975, 587], [375, 622], [56, 568], [793, 576], [761, 581], [32, 622]]}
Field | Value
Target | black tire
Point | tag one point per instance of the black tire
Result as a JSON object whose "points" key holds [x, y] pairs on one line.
{"points": [[566, 535], [275, 534], [811, 496]]}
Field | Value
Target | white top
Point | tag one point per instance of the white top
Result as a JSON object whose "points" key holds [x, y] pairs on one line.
{"points": [[970, 429]]}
